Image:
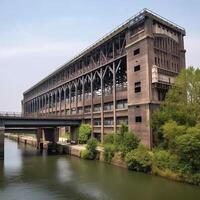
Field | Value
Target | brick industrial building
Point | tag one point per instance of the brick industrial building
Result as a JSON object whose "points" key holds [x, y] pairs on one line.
{"points": [[121, 78]]}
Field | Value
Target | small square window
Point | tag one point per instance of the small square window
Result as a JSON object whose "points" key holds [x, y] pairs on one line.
{"points": [[136, 52], [137, 87], [137, 68], [138, 119]]}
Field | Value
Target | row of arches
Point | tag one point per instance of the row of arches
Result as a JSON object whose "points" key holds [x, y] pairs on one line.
{"points": [[111, 49], [94, 84]]}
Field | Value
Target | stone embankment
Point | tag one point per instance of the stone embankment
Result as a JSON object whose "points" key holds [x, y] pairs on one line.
{"points": [[63, 147]]}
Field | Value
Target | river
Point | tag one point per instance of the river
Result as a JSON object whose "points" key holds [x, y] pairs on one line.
{"points": [[26, 174]]}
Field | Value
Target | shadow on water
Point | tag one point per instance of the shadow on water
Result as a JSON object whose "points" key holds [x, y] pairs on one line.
{"points": [[30, 175]]}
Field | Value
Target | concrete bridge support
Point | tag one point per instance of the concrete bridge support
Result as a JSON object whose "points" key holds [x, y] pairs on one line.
{"points": [[51, 134], [1, 143], [74, 132]]}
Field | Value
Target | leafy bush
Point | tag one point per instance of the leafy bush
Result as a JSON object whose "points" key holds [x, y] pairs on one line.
{"points": [[129, 142], [109, 152], [92, 144], [188, 148], [192, 178], [84, 133], [86, 154], [163, 160], [123, 129], [90, 152], [170, 130], [109, 138], [139, 159]]}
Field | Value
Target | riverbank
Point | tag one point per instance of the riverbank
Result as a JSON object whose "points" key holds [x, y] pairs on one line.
{"points": [[28, 174], [63, 147]]}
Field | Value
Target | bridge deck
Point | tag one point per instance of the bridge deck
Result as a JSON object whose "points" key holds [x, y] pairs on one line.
{"points": [[19, 120]]}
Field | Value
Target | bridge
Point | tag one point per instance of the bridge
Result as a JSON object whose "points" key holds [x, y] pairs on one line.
{"points": [[43, 126]]}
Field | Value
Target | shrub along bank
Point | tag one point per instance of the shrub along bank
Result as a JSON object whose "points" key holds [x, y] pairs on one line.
{"points": [[176, 128]]}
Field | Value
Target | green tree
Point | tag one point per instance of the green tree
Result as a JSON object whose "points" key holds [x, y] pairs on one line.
{"points": [[129, 142], [123, 129], [182, 103], [109, 152], [90, 151], [84, 133], [170, 131], [139, 159], [188, 148]]}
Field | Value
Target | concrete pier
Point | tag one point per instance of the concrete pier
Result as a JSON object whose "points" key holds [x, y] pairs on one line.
{"points": [[1, 143]]}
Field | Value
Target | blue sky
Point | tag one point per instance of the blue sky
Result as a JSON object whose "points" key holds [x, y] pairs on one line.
{"points": [[37, 36]]}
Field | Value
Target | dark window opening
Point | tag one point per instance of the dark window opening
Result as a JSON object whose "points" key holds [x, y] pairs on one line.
{"points": [[138, 119], [137, 68], [136, 52], [137, 87]]}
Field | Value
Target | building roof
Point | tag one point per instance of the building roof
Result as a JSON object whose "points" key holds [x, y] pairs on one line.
{"points": [[132, 20]]}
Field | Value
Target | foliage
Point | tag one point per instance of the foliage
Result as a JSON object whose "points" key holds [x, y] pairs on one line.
{"points": [[86, 154], [123, 129], [109, 138], [171, 130], [67, 136], [182, 103], [139, 159], [109, 152], [188, 148], [163, 160], [92, 144], [129, 142], [84, 133], [192, 178], [176, 127], [90, 151]]}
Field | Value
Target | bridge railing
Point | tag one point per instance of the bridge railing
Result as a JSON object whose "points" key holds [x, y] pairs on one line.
{"points": [[38, 116], [10, 114]]}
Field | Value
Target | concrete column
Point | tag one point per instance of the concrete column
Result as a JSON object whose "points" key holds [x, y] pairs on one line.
{"points": [[70, 112], [56, 102], [60, 102], [64, 101], [83, 95], [91, 79], [39, 137], [51, 134], [1, 143], [102, 107], [76, 95], [114, 98]]}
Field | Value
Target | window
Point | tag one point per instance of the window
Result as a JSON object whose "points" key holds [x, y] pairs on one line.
{"points": [[87, 109], [136, 52], [97, 122], [137, 87], [73, 111], [108, 106], [137, 68], [67, 112], [121, 104], [79, 110], [108, 121], [138, 119], [122, 120], [97, 108]]}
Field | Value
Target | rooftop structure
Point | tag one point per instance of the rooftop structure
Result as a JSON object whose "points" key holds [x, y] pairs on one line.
{"points": [[121, 78]]}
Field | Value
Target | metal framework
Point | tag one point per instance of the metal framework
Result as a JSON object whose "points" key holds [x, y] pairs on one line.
{"points": [[97, 86]]}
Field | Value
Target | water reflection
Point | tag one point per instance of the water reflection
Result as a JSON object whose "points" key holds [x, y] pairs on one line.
{"points": [[27, 174], [13, 160]]}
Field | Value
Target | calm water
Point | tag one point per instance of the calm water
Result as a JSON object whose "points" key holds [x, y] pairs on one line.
{"points": [[28, 175]]}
